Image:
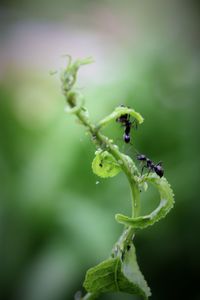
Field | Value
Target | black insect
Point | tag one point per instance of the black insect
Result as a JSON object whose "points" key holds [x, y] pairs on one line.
{"points": [[127, 124], [158, 169], [128, 247]]}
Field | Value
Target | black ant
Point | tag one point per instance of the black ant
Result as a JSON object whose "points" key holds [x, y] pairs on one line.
{"points": [[128, 247], [125, 121], [158, 169]]}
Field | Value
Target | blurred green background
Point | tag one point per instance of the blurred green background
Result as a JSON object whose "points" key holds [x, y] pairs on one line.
{"points": [[55, 221]]}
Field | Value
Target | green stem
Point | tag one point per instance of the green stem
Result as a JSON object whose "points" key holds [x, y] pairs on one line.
{"points": [[135, 195], [104, 142], [130, 171], [128, 234]]}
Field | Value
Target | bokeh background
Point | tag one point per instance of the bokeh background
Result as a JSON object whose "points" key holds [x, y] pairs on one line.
{"points": [[56, 217]]}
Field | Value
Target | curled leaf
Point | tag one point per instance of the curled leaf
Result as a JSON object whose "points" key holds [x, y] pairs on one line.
{"points": [[69, 74], [119, 111], [105, 165], [165, 205]]}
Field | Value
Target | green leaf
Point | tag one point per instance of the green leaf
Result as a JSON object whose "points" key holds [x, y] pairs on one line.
{"points": [[165, 205], [131, 271], [119, 111], [114, 275], [105, 165]]}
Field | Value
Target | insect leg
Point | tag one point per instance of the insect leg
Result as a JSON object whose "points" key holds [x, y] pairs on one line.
{"points": [[143, 168]]}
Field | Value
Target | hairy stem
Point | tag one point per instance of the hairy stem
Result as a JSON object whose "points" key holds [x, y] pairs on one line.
{"points": [[135, 193], [102, 141]]}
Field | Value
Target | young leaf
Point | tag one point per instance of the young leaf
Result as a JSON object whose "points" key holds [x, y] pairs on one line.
{"points": [[113, 275], [119, 111], [165, 205], [105, 165], [69, 74]]}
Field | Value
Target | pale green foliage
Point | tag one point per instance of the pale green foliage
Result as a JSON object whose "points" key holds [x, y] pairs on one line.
{"points": [[116, 274], [121, 110], [166, 203], [105, 165], [121, 272]]}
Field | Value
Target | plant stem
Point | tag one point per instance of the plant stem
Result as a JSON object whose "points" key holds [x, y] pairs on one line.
{"points": [[135, 195], [104, 142], [129, 169]]}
